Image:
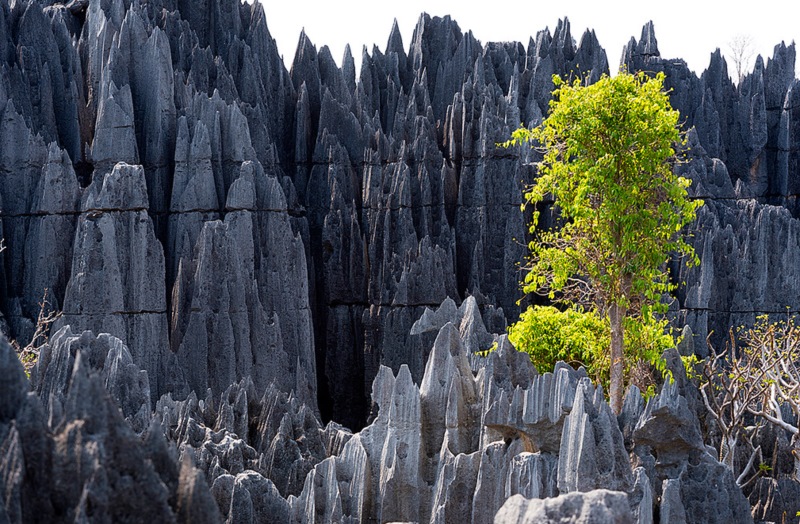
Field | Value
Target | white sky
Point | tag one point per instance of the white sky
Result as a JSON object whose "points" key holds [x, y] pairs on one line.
{"points": [[691, 30]]}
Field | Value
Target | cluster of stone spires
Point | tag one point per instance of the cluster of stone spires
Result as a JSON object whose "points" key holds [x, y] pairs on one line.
{"points": [[85, 445], [171, 184]]}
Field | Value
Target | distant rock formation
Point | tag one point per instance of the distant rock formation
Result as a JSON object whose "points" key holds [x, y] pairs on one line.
{"points": [[388, 179]]}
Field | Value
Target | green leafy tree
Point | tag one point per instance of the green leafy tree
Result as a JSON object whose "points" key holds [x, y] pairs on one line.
{"points": [[608, 155]]}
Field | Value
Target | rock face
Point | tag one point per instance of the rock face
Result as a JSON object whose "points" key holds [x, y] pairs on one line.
{"points": [[116, 255], [83, 461], [325, 244], [122, 378], [161, 158], [599, 506]]}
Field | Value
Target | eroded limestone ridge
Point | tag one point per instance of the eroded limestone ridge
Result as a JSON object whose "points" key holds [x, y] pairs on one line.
{"points": [[85, 444]]}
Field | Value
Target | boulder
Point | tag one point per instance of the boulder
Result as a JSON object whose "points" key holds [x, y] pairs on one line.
{"points": [[598, 506]]}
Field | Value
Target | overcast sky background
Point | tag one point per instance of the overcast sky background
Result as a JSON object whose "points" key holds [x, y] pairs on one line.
{"points": [[691, 30]]}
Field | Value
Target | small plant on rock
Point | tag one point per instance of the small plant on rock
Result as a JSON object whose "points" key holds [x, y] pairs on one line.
{"points": [[29, 354]]}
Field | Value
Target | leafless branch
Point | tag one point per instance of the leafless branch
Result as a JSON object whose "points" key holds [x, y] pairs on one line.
{"points": [[758, 378], [741, 49], [30, 353]]}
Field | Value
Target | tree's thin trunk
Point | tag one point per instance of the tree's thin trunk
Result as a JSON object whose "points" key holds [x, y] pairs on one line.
{"points": [[616, 388], [728, 450]]}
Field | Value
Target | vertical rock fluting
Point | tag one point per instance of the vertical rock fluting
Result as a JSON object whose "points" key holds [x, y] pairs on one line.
{"points": [[405, 188], [23, 156], [48, 244], [117, 280], [122, 241], [225, 326]]}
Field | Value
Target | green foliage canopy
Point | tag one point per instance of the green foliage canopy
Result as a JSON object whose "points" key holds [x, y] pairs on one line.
{"points": [[575, 336], [607, 166]]}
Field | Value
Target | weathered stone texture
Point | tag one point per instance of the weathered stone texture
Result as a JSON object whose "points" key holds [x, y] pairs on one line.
{"points": [[322, 243]]}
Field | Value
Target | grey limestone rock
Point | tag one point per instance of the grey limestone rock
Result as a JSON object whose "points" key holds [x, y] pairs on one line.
{"points": [[320, 500], [12, 382], [533, 475], [748, 229], [127, 384], [683, 470], [592, 453], [12, 470], [117, 280], [23, 154], [115, 135], [420, 434], [641, 497], [222, 335], [538, 411], [772, 498], [432, 321], [123, 189], [709, 176], [672, 508], [194, 198], [254, 498], [87, 463], [268, 457], [449, 397], [272, 439], [509, 468], [454, 488], [668, 424], [468, 319], [108, 440], [47, 87], [194, 501], [517, 401], [338, 489], [709, 493], [401, 457], [151, 78], [598, 506], [48, 246], [632, 408]]}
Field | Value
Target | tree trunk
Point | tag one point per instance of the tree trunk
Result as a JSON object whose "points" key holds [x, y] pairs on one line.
{"points": [[728, 450], [616, 388]]}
